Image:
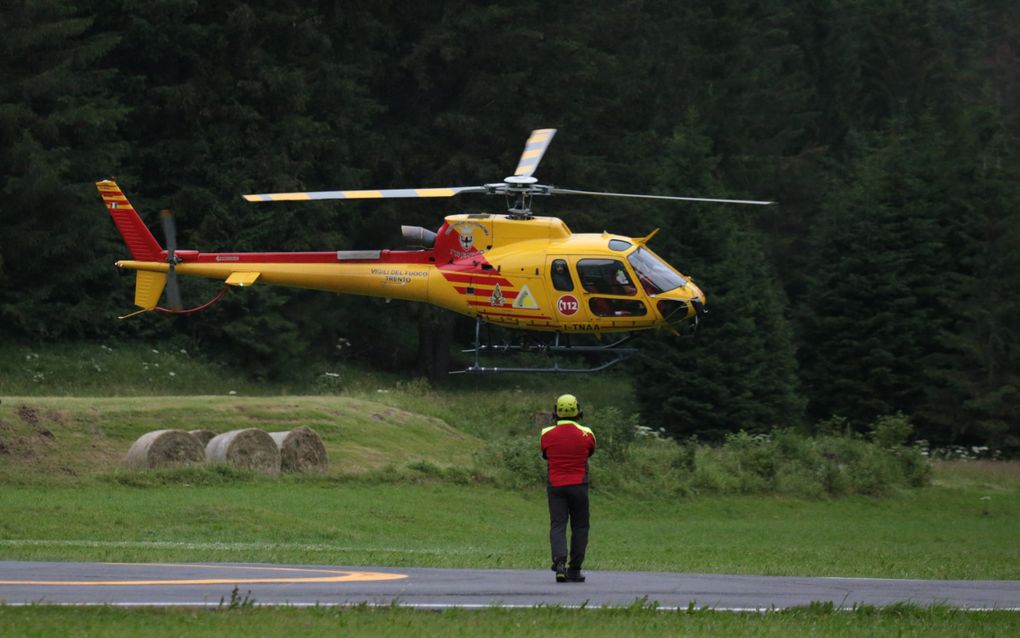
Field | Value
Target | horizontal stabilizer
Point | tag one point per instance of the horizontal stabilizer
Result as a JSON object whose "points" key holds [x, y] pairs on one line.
{"points": [[242, 278]]}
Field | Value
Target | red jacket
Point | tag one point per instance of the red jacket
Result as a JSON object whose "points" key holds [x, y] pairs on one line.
{"points": [[567, 446]]}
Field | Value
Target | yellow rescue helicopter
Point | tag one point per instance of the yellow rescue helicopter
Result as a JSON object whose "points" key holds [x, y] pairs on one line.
{"points": [[515, 269]]}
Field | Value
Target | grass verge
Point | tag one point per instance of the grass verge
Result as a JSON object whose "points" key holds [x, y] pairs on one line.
{"points": [[929, 533], [636, 620]]}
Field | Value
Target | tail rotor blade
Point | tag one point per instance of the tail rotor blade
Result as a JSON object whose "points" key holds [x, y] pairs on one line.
{"points": [[169, 231], [173, 292]]}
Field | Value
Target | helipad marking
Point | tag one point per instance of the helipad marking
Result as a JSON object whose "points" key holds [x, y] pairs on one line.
{"points": [[336, 576]]}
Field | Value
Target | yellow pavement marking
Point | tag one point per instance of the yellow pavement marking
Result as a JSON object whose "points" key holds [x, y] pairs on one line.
{"points": [[335, 576]]}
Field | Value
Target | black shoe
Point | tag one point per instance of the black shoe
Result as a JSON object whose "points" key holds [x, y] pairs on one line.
{"points": [[560, 567], [573, 575]]}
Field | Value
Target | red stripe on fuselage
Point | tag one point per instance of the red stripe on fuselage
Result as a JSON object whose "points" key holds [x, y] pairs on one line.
{"points": [[516, 315], [386, 257], [509, 294], [483, 279], [486, 304]]}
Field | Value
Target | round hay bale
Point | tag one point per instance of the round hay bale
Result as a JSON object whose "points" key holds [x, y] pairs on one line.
{"points": [[203, 436], [249, 449], [165, 448], [301, 450]]}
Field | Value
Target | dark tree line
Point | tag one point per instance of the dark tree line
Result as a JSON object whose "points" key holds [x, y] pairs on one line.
{"points": [[887, 279]]}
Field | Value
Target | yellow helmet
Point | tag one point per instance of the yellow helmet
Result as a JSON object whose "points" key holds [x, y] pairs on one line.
{"points": [[568, 406]]}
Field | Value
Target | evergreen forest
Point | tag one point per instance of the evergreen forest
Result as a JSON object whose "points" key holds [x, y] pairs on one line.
{"points": [[885, 281]]}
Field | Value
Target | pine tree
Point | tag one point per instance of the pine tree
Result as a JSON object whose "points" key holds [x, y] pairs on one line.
{"points": [[237, 97], [738, 372], [974, 393], [58, 132], [878, 295]]}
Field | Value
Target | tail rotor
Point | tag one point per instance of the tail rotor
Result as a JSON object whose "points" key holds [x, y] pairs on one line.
{"points": [[173, 291]]}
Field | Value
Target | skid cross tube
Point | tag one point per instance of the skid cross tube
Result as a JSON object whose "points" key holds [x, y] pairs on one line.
{"points": [[614, 349]]}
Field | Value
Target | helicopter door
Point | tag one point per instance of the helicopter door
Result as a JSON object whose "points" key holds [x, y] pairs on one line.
{"points": [[609, 291], [567, 298]]}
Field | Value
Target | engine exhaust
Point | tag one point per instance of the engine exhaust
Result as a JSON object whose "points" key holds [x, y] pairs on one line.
{"points": [[418, 237]]}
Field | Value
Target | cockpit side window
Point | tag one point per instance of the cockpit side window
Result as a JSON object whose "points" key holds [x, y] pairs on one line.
{"points": [[561, 276], [605, 277], [654, 275]]}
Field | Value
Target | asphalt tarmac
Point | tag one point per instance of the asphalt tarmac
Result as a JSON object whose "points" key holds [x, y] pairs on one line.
{"points": [[214, 584]]}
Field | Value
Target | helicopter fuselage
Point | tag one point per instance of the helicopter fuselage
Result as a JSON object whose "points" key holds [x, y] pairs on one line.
{"points": [[533, 274]]}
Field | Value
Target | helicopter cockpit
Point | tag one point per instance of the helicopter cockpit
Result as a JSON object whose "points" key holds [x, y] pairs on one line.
{"points": [[655, 276], [659, 279]]}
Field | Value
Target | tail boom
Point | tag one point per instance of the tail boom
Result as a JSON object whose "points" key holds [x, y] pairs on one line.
{"points": [[409, 282]]}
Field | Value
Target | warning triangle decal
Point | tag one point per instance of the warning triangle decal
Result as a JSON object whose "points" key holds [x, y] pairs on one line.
{"points": [[525, 299]]}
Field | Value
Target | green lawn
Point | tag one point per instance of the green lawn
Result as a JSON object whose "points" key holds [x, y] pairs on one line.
{"points": [[937, 532], [634, 621], [405, 488]]}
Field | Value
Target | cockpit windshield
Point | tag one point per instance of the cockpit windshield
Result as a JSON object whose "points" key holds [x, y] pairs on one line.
{"points": [[654, 275]]}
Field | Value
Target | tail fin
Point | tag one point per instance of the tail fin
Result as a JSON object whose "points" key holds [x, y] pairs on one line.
{"points": [[148, 288], [139, 240]]}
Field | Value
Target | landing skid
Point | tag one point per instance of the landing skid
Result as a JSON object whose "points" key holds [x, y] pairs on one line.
{"points": [[614, 350]]}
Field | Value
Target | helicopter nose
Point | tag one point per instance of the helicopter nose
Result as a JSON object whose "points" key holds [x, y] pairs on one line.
{"points": [[697, 299], [699, 306], [682, 304]]}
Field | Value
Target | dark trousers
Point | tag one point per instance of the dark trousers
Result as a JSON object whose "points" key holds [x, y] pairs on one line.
{"points": [[568, 502]]}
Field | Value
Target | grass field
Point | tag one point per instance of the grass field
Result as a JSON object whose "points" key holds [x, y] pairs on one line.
{"points": [[47, 439], [407, 489], [633, 621], [935, 533], [407, 486]]}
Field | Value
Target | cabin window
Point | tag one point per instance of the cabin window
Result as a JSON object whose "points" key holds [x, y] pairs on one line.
{"points": [[607, 307], [561, 276], [618, 244], [605, 276]]}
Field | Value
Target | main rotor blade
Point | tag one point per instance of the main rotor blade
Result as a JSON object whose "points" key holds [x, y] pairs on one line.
{"points": [[567, 191], [534, 149], [449, 191]]}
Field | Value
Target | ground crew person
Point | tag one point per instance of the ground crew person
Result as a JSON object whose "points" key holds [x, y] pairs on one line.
{"points": [[566, 447]]}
